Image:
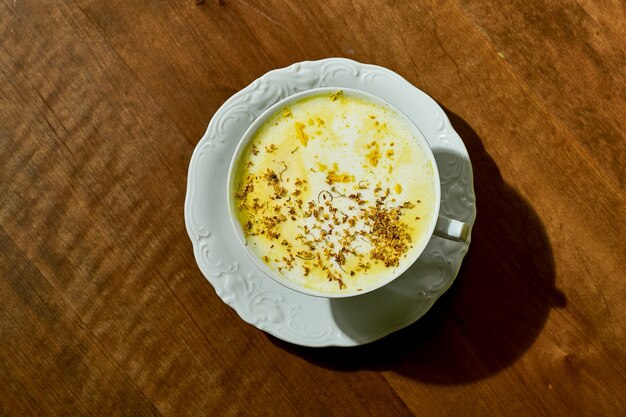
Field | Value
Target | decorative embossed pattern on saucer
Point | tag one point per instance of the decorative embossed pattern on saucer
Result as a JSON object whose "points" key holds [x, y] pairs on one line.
{"points": [[295, 317]]}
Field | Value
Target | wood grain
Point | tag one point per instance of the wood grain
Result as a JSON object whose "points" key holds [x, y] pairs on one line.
{"points": [[103, 310]]}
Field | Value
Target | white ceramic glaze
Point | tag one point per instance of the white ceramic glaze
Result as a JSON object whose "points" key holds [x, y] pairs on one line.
{"points": [[280, 311]]}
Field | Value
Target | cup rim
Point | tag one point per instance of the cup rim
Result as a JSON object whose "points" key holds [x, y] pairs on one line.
{"points": [[247, 137]]}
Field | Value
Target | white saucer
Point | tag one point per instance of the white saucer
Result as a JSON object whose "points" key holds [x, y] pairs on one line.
{"points": [[295, 317]]}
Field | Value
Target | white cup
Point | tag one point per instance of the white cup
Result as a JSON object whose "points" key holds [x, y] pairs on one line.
{"points": [[439, 226]]}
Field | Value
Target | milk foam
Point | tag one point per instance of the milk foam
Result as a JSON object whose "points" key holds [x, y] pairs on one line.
{"points": [[341, 154]]}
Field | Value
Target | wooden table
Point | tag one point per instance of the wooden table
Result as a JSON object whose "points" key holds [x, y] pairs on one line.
{"points": [[103, 310]]}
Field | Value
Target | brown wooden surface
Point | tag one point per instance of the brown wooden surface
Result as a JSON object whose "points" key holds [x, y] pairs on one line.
{"points": [[103, 310]]}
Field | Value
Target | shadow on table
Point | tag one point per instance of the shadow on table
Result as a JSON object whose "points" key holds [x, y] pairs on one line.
{"points": [[494, 310]]}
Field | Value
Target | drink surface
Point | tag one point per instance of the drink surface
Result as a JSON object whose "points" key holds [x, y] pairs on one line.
{"points": [[334, 193]]}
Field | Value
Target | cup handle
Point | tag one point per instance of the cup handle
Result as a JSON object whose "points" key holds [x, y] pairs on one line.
{"points": [[451, 229]]}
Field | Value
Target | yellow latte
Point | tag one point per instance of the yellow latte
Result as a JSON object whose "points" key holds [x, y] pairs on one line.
{"points": [[335, 192]]}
